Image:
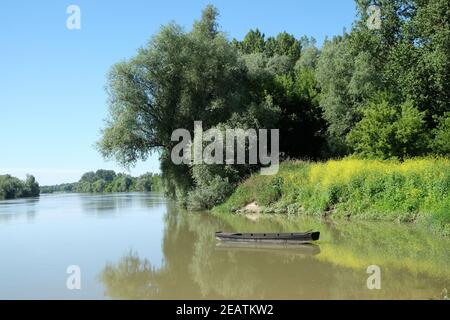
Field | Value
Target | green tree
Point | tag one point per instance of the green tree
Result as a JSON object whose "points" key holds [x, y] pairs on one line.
{"points": [[408, 56], [388, 131], [418, 62], [99, 186], [346, 82], [212, 189], [441, 143], [31, 188], [254, 42], [176, 79], [145, 182], [284, 44], [122, 183], [106, 175], [12, 187], [284, 71], [89, 177], [325, 102]]}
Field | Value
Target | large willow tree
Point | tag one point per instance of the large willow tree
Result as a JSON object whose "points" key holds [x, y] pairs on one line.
{"points": [[176, 79]]}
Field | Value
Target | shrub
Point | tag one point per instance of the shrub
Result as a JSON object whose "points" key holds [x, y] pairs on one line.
{"points": [[212, 187], [388, 131], [209, 195]]}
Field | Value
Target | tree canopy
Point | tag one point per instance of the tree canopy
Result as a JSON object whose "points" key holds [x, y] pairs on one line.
{"points": [[12, 187], [375, 92]]}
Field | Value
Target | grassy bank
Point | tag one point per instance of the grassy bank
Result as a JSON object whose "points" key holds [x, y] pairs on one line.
{"points": [[409, 191]]}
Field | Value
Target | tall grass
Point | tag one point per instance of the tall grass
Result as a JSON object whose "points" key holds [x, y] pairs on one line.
{"points": [[413, 190]]}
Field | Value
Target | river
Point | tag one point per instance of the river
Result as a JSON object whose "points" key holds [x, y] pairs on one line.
{"points": [[139, 246]]}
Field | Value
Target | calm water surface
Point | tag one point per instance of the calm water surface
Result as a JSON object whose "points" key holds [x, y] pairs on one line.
{"points": [[139, 246]]}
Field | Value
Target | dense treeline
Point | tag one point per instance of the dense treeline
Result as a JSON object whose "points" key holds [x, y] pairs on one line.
{"points": [[64, 187], [104, 181], [13, 188], [377, 93]]}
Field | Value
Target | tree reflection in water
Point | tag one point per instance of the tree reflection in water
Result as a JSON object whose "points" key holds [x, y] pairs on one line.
{"points": [[131, 278], [195, 267]]}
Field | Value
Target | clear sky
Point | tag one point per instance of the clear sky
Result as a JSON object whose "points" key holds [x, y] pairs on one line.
{"points": [[52, 79]]}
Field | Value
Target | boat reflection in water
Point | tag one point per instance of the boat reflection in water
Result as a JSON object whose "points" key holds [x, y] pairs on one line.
{"points": [[306, 249]]}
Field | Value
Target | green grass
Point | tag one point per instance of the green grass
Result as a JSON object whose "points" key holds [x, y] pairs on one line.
{"points": [[415, 190]]}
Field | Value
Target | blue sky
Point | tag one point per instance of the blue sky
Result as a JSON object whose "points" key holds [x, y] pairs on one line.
{"points": [[52, 97]]}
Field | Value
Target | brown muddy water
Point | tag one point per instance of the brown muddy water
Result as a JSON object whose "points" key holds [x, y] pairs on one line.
{"points": [[139, 246]]}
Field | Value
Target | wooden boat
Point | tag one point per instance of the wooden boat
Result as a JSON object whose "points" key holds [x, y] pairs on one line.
{"points": [[292, 238]]}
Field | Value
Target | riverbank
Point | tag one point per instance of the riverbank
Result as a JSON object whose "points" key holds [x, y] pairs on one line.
{"points": [[415, 190]]}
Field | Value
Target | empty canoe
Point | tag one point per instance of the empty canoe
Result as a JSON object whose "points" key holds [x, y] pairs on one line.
{"points": [[301, 237]]}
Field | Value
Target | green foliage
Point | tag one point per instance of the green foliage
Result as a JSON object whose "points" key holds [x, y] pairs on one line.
{"points": [[147, 182], [211, 190], [440, 221], [416, 189], [105, 181], [65, 187], [122, 183], [409, 57], [181, 77], [388, 131], [284, 44], [287, 75], [254, 42], [31, 187], [441, 143], [264, 190], [176, 79], [12, 188], [418, 62], [326, 102], [346, 82]]}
